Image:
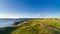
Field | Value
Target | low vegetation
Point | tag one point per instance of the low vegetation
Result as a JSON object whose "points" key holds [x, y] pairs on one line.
{"points": [[34, 26]]}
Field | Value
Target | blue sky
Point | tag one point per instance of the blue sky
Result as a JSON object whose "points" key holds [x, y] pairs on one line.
{"points": [[29, 8]]}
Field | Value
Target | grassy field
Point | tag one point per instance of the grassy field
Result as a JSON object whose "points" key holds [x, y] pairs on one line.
{"points": [[35, 26]]}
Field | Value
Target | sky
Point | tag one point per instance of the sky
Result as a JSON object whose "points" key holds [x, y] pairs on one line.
{"points": [[29, 8]]}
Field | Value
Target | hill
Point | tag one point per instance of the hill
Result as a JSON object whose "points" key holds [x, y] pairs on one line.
{"points": [[34, 26]]}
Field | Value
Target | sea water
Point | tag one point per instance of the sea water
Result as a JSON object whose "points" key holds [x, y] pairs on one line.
{"points": [[7, 22]]}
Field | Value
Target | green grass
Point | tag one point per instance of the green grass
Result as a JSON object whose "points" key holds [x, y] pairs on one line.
{"points": [[37, 26], [7, 30]]}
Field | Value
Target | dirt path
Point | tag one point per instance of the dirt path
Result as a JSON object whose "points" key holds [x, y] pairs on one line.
{"points": [[50, 29], [45, 29]]}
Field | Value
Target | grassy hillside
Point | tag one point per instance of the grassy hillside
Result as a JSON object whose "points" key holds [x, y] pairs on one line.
{"points": [[36, 26], [7, 30]]}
